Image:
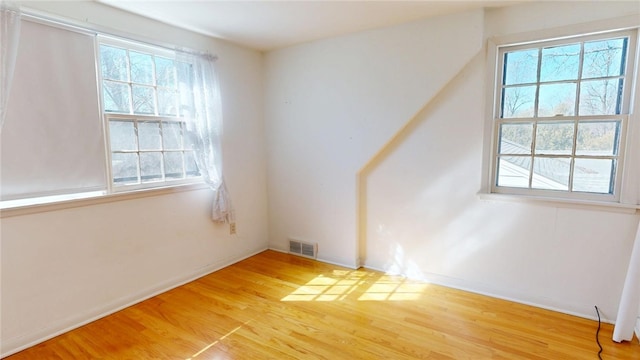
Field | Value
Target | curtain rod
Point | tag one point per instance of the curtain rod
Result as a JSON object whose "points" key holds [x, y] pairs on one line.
{"points": [[94, 29]]}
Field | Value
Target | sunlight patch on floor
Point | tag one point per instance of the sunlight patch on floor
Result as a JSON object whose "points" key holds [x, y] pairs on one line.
{"points": [[216, 342], [364, 286]]}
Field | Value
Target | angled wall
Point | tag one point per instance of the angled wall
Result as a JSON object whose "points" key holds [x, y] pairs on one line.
{"points": [[332, 104]]}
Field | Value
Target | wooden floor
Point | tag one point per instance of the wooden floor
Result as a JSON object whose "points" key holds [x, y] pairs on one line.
{"points": [[277, 306]]}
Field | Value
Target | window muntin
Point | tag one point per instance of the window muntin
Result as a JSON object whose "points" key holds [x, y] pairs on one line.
{"points": [[135, 82], [146, 150], [147, 133], [544, 81], [562, 112]]}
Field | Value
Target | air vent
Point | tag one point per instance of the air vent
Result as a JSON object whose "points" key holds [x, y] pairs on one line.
{"points": [[303, 249]]}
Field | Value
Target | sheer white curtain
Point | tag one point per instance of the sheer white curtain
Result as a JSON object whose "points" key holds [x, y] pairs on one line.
{"points": [[9, 38], [200, 99]]}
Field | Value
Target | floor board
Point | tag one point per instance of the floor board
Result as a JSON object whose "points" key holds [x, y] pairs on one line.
{"points": [[278, 306]]}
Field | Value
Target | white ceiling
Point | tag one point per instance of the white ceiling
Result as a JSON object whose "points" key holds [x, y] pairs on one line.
{"points": [[268, 25]]}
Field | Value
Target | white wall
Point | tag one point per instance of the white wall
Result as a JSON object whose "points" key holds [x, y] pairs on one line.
{"points": [[65, 267], [410, 205], [331, 104]]}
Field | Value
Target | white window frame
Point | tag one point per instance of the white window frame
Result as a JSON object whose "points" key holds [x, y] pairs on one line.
{"points": [[626, 189], [135, 119]]}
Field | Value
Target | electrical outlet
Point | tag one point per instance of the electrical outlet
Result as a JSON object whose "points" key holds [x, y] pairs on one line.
{"points": [[232, 228]]}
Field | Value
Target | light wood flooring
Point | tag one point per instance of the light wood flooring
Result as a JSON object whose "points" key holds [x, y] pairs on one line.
{"points": [[278, 306]]}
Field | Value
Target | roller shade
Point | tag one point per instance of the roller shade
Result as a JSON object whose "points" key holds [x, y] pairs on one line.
{"points": [[52, 141]]}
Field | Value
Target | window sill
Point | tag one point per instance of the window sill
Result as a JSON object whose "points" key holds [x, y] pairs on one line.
{"points": [[53, 203], [563, 203]]}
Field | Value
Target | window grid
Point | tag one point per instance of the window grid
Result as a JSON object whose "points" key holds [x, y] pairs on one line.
{"points": [[185, 164], [578, 82], [528, 156], [570, 157], [147, 137], [166, 84]]}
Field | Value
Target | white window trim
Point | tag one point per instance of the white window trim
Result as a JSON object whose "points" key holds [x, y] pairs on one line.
{"points": [[628, 199], [68, 201]]}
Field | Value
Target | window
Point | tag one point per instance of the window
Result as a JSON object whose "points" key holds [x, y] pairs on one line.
{"points": [[129, 119], [146, 126], [561, 116]]}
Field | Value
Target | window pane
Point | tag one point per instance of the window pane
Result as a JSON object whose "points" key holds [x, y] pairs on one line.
{"points": [[167, 100], [165, 72], [171, 136], [551, 173], [514, 171], [516, 138], [518, 101], [116, 97], [554, 138], [113, 63], [150, 166], [149, 136], [604, 58], [560, 63], [190, 138], [557, 99], [520, 67], [598, 138], [190, 164], [173, 167], [600, 97], [594, 175], [124, 168], [122, 135], [141, 68], [143, 102]]}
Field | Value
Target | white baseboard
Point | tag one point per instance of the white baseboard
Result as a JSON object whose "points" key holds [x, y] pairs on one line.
{"points": [[638, 329], [486, 290], [16, 344], [319, 259], [338, 264], [507, 294]]}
